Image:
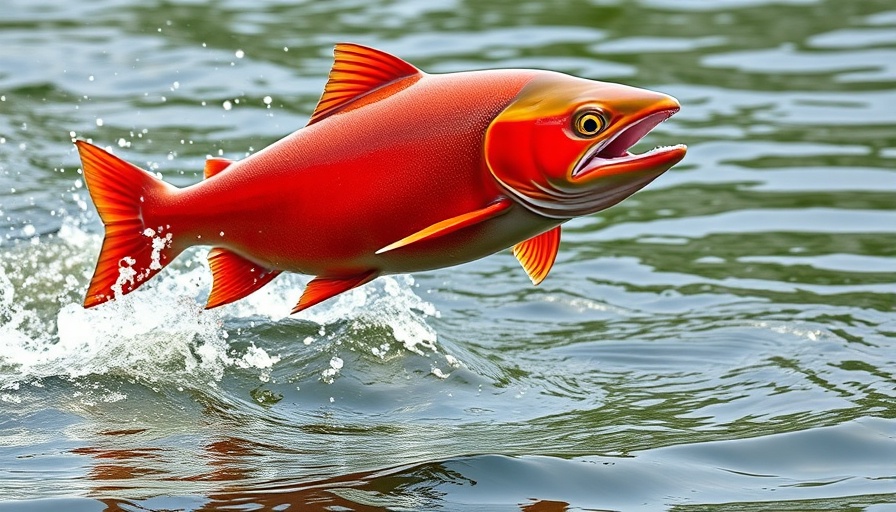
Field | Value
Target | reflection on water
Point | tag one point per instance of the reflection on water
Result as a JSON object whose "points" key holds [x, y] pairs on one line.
{"points": [[723, 340], [712, 474]]}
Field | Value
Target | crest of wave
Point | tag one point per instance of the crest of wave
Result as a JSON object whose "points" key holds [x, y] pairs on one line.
{"points": [[384, 317], [388, 302]]}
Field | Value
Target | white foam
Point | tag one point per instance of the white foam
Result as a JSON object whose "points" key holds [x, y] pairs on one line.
{"points": [[159, 243], [329, 375], [387, 302], [160, 332]]}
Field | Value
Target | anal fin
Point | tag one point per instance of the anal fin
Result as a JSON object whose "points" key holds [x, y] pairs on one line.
{"points": [[322, 288], [450, 225], [538, 253], [234, 277]]}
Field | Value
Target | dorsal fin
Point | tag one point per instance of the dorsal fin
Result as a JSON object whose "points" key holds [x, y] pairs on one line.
{"points": [[214, 165], [357, 71]]}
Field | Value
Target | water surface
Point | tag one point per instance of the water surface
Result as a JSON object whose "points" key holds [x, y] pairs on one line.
{"points": [[723, 340]]}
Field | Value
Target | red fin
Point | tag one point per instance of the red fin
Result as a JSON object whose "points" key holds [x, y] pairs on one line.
{"points": [[357, 71], [234, 277], [215, 165], [538, 253], [132, 252], [322, 288], [450, 225]]}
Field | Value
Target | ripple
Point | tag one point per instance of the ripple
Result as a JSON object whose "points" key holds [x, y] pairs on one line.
{"points": [[853, 38], [806, 220], [837, 262], [693, 346], [847, 66]]}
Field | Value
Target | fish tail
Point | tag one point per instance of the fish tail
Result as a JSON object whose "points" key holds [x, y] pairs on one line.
{"points": [[132, 251]]}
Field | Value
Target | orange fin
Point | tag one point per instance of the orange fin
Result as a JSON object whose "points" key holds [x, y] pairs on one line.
{"points": [[234, 277], [357, 71], [132, 252], [322, 288], [451, 225], [215, 165], [538, 253]]}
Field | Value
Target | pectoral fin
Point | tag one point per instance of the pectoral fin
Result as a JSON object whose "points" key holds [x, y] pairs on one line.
{"points": [[450, 225], [322, 288], [234, 277], [538, 253]]}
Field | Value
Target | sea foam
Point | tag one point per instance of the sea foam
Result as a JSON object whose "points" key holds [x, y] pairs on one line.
{"points": [[161, 333]]}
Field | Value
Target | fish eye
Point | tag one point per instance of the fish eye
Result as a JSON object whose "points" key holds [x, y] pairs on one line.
{"points": [[589, 124]]}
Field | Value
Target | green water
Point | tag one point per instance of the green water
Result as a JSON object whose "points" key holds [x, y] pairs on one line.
{"points": [[724, 340]]}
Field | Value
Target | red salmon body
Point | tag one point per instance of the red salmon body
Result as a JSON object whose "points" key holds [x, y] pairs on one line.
{"points": [[397, 171]]}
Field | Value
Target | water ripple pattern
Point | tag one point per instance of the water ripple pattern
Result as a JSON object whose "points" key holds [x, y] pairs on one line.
{"points": [[723, 340]]}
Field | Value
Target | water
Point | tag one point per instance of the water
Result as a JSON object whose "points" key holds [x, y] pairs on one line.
{"points": [[723, 340]]}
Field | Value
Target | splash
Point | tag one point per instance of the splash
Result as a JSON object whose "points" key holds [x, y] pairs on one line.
{"points": [[384, 318], [154, 335], [388, 302], [159, 243], [160, 333]]}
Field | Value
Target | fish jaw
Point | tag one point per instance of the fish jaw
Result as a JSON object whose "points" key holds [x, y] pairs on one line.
{"points": [[612, 157], [610, 173], [557, 172]]}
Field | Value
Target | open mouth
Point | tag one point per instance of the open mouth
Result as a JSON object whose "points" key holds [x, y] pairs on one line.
{"points": [[612, 157]]}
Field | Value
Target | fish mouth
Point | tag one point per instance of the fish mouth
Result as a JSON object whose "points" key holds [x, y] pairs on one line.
{"points": [[608, 172], [611, 157]]}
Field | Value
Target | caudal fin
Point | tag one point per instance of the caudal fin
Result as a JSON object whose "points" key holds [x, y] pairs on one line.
{"points": [[132, 251]]}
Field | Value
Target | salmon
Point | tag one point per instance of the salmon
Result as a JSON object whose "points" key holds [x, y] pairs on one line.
{"points": [[396, 171]]}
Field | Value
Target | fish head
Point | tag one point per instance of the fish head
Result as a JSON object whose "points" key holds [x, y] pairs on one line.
{"points": [[561, 147]]}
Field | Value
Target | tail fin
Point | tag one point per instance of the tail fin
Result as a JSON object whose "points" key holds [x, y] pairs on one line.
{"points": [[132, 252]]}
